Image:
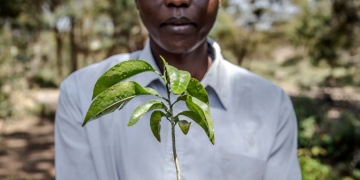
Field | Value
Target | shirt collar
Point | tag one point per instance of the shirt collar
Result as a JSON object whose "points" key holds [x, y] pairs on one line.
{"points": [[147, 56], [215, 77]]}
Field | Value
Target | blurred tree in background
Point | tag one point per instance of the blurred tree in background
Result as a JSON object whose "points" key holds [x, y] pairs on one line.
{"points": [[311, 48], [329, 30]]}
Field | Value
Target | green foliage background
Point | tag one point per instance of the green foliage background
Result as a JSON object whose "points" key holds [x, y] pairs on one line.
{"points": [[311, 48]]}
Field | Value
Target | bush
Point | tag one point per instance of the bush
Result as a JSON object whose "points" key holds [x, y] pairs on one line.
{"points": [[312, 169]]}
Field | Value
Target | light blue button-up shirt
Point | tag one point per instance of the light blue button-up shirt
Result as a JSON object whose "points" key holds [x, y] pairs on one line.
{"points": [[254, 121]]}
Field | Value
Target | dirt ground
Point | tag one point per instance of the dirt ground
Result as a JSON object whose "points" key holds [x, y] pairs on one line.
{"points": [[27, 143], [27, 149]]}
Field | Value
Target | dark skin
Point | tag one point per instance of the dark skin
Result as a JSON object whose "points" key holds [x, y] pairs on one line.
{"points": [[178, 31]]}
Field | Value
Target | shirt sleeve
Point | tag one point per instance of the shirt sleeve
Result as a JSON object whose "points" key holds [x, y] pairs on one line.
{"points": [[283, 163], [73, 159]]}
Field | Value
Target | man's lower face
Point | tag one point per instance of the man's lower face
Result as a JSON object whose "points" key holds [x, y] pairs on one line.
{"points": [[178, 25]]}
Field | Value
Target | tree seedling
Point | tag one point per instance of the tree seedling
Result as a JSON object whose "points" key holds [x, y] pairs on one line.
{"points": [[110, 94]]}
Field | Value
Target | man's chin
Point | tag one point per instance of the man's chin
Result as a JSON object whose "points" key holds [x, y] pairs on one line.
{"points": [[179, 46]]}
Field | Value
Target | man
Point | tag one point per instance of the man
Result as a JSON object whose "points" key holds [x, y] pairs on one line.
{"points": [[254, 121]]}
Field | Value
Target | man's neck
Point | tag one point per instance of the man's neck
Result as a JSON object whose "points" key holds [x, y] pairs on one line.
{"points": [[197, 62]]}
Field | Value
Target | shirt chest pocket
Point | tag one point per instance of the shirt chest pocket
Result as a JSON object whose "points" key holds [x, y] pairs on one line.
{"points": [[230, 166]]}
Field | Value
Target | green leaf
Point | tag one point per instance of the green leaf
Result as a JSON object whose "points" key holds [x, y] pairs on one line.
{"points": [[155, 125], [196, 89], [141, 110], [152, 91], [182, 98], [163, 60], [105, 112], [120, 72], [179, 80], [184, 126], [203, 110], [195, 117], [112, 98], [124, 104]]}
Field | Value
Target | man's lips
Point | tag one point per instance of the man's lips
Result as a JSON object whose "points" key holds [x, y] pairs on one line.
{"points": [[181, 25], [173, 24], [178, 21]]}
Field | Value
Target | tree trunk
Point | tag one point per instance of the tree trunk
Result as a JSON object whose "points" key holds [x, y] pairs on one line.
{"points": [[73, 48], [116, 34], [241, 55], [59, 47]]}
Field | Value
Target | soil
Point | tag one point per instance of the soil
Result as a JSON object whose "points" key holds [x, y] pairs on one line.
{"points": [[27, 149]]}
